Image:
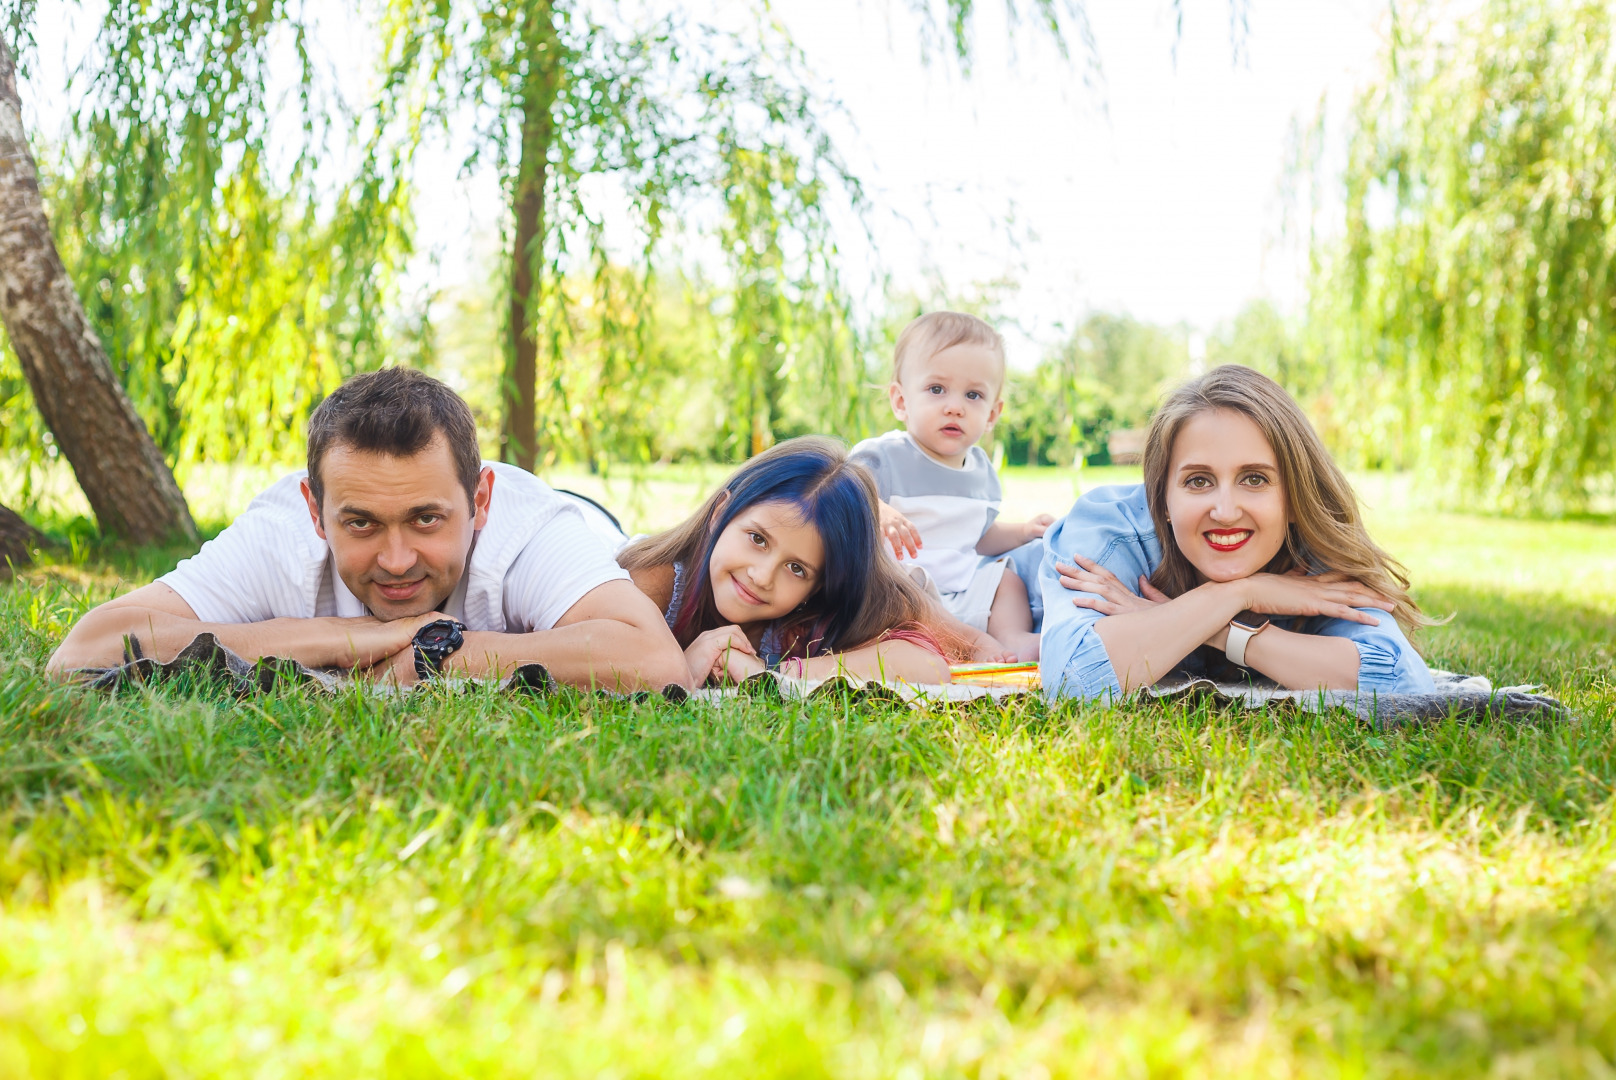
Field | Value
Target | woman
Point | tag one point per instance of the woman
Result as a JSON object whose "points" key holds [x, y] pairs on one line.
{"points": [[1245, 540], [781, 567]]}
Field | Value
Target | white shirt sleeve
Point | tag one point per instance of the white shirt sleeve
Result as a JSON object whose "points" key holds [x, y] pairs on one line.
{"points": [[562, 562], [257, 569]]}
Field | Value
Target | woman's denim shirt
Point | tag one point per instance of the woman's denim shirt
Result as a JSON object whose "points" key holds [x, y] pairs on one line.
{"points": [[1112, 526]]}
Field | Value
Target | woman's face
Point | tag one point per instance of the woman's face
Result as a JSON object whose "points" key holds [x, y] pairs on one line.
{"points": [[1225, 503], [767, 561]]}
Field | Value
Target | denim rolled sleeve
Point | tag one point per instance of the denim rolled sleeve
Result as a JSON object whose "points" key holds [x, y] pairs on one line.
{"points": [[1112, 526], [1387, 663]]}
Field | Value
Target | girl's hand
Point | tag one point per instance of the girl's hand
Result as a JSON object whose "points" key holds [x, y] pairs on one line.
{"points": [[718, 653], [734, 666], [1035, 528], [1111, 596], [899, 531], [1331, 595]]}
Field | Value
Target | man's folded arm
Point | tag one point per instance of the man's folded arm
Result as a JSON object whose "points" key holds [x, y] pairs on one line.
{"points": [[161, 623], [613, 638]]}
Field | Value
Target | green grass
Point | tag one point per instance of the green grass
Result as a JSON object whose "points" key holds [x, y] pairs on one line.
{"points": [[486, 886]]}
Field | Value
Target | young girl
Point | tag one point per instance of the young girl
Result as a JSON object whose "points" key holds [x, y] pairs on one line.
{"points": [[781, 568], [1245, 538]]}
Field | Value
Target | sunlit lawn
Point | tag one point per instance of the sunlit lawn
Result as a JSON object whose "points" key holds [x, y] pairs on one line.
{"points": [[296, 886]]}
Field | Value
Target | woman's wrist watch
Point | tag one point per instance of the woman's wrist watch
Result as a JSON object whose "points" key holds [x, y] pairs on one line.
{"points": [[1242, 628]]}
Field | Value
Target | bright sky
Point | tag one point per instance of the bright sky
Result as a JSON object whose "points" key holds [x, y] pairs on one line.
{"points": [[1158, 195], [1164, 204]]}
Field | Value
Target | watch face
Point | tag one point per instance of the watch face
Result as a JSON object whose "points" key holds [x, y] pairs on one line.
{"points": [[1249, 620], [436, 635], [438, 639]]}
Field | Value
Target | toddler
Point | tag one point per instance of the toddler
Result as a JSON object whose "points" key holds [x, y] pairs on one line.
{"points": [[939, 494]]}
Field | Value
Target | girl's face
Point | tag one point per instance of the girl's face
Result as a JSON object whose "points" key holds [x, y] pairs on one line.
{"points": [[766, 562], [1226, 505]]}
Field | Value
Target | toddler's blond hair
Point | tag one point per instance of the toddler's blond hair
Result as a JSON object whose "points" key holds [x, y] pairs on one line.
{"points": [[935, 331]]}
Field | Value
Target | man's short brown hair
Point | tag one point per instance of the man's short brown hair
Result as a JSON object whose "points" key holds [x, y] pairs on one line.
{"points": [[394, 411]]}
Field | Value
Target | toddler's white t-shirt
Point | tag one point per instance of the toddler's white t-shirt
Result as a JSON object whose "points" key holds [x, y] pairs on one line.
{"points": [[529, 564], [952, 508]]}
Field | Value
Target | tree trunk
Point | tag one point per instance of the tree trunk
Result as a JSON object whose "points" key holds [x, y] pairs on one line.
{"points": [[123, 474], [541, 49], [17, 537]]}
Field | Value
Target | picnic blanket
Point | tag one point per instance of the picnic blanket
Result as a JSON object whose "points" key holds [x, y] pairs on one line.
{"points": [[1471, 697]]}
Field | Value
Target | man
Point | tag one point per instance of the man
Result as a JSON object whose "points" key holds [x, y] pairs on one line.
{"points": [[399, 555]]}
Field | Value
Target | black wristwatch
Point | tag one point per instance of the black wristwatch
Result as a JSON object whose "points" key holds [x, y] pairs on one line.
{"points": [[434, 643]]}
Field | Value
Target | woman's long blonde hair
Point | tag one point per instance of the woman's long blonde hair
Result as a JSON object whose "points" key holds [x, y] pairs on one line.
{"points": [[1326, 530], [863, 594]]}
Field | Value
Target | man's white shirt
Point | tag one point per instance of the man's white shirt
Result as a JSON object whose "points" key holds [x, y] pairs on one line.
{"points": [[533, 559]]}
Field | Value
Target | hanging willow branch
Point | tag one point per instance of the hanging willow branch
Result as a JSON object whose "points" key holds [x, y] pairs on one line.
{"points": [[124, 477], [1471, 306]]}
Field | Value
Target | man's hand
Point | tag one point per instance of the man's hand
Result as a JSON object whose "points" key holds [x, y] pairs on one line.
{"points": [[371, 643], [899, 531], [398, 669], [160, 621]]}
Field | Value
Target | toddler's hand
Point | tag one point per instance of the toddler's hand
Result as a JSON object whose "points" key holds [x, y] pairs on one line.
{"points": [[1038, 526], [899, 531], [987, 650]]}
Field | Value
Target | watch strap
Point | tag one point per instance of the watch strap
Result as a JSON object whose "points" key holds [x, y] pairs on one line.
{"points": [[432, 652], [1242, 628]]}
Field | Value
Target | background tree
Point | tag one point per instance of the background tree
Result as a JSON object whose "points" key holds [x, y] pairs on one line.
{"points": [[124, 476], [240, 243], [232, 285], [18, 540], [703, 135], [1468, 313], [1107, 375]]}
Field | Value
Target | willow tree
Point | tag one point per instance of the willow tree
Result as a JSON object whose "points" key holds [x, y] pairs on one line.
{"points": [[1470, 308], [714, 144], [129, 485], [703, 135], [240, 249], [233, 279]]}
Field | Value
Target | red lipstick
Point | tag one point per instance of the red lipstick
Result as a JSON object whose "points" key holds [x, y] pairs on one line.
{"points": [[1227, 539]]}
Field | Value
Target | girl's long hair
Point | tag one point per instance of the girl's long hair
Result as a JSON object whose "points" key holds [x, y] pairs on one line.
{"points": [[1326, 530], [862, 594]]}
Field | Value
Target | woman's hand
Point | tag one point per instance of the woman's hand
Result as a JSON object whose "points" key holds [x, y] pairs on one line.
{"points": [[1332, 595], [899, 531], [1111, 597], [724, 654]]}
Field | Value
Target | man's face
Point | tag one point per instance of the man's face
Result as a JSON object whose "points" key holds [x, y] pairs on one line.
{"points": [[400, 528]]}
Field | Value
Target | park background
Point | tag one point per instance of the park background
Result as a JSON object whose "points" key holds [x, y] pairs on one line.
{"points": [[646, 240]]}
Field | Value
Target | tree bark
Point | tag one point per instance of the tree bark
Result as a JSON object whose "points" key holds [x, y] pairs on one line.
{"points": [[17, 537], [541, 50], [130, 487]]}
